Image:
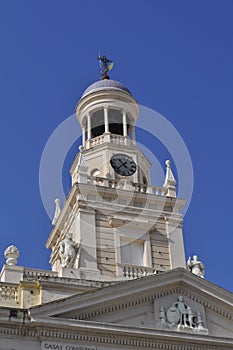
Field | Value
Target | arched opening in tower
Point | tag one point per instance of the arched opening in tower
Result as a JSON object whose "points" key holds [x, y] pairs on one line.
{"points": [[97, 123], [115, 122]]}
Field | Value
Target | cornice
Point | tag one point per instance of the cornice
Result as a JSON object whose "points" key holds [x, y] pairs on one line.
{"points": [[60, 330], [69, 208], [130, 293], [147, 198], [65, 212], [106, 97], [72, 284]]}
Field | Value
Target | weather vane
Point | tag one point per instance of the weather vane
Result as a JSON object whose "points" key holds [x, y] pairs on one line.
{"points": [[105, 66]]}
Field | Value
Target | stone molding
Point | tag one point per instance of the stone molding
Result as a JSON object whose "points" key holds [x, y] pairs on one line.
{"points": [[146, 299], [134, 337], [71, 205], [138, 291]]}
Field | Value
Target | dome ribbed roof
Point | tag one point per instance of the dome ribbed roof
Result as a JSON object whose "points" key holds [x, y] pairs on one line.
{"points": [[105, 84]]}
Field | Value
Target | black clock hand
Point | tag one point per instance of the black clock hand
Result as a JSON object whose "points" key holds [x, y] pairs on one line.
{"points": [[122, 164]]}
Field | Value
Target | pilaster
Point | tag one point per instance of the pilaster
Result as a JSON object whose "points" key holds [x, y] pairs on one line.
{"points": [[85, 233], [176, 244]]}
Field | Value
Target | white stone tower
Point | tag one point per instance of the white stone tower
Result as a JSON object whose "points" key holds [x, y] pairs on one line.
{"points": [[114, 224]]}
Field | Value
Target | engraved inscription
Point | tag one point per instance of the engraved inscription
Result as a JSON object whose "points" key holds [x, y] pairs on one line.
{"points": [[61, 346]]}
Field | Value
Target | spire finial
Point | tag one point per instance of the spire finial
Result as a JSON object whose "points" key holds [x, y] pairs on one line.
{"points": [[81, 160], [170, 182], [105, 66], [57, 211], [80, 172]]}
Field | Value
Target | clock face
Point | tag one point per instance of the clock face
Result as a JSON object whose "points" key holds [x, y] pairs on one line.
{"points": [[123, 164]]}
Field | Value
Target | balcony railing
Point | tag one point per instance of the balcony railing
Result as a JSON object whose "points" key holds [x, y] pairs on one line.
{"points": [[130, 271], [158, 191], [121, 140], [97, 141], [33, 273], [108, 137], [121, 184]]}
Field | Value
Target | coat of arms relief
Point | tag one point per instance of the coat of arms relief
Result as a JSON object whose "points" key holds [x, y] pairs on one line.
{"points": [[182, 317]]}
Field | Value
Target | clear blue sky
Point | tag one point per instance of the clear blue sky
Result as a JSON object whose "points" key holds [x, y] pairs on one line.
{"points": [[176, 58]]}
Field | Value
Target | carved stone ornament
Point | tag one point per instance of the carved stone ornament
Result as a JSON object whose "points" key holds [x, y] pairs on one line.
{"points": [[196, 266], [69, 251], [180, 316], [11, 254], [57, 211], [173, 315]]}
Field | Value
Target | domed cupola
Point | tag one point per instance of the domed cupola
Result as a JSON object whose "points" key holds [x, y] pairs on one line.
{"points": [[105, 84], [107, 110], [107, 113]]}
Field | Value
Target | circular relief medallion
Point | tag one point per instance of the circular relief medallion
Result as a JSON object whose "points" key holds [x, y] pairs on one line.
{"points": [[173, 315]]}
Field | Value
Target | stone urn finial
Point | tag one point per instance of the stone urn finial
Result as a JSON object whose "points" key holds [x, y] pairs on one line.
{"points": [[11, 254]]}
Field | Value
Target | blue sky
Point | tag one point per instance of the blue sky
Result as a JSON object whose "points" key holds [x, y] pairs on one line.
{"points": [[175, 57]]}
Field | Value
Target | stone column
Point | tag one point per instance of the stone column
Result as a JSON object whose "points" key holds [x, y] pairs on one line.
{"points": [[106, 121], [83, 136], [124, 123], [133, 134], [88, 126]]}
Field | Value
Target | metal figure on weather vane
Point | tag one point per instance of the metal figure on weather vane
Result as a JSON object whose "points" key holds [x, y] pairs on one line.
{"points": [[105, 66]]}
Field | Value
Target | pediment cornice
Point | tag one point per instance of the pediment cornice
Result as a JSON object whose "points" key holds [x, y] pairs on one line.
{"points": [[128, 294]]}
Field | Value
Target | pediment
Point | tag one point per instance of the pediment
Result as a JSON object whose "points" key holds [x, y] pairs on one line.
{"points": [[175, 301]]}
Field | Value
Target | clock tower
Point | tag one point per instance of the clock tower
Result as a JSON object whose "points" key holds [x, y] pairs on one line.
{"points": [[119, 278], [115, 224]]}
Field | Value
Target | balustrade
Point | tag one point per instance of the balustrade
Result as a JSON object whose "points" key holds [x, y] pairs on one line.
{"points": [[113, 183], [114, 138], [8, 294], [133, 271], [97, 140], [32, 273]]}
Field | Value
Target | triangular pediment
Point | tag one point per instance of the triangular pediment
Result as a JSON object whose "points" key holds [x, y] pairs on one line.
{"points": [[173, 301]]}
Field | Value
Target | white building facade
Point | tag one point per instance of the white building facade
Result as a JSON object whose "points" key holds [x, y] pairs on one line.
{"points": [[118, 276]]}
